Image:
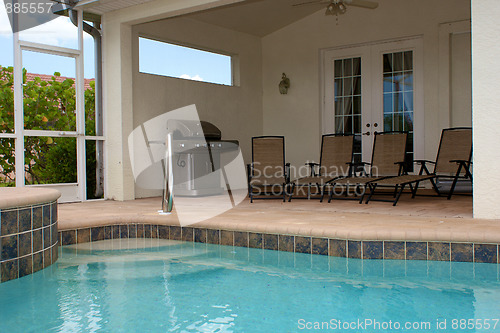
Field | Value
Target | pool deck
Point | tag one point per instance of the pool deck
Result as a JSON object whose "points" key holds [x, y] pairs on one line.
{"points": [[420, 219]]}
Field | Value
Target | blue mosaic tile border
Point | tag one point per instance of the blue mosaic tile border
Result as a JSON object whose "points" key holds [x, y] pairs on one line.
{"points": [[28, 239], [376, 249]]}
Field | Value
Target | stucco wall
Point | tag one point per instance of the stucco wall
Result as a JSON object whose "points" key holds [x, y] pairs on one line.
{"points": [[295, 51], [486, 120], [236, 110]]}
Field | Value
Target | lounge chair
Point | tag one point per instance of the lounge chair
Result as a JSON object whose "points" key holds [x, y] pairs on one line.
{"points": [[453, 161], [388, 157], [268, 174], [335, 161]]}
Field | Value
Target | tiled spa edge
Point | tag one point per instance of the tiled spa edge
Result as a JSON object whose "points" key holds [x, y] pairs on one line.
{"points": [[360, 249], [28, 239]]}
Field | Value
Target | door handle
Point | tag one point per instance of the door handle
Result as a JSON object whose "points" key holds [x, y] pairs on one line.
{"points": [[366, 133]]}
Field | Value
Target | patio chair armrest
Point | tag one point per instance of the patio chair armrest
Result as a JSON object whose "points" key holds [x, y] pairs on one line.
{"points": [[358, 163], [402, 169], [357, 167], [423, 161], [249, 171], [312, 166], [423, 166], [461, 161]]}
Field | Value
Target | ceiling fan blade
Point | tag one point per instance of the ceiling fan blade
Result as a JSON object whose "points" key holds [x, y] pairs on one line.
{"points": [[314, 2], [362, 3]]}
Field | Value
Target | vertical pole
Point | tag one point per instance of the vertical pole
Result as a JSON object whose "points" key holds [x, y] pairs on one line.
{"points": [[80, 113], [168, 189], [18, 110]]}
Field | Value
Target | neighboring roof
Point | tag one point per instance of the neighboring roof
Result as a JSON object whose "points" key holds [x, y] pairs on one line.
{"points": [[45, 77]]}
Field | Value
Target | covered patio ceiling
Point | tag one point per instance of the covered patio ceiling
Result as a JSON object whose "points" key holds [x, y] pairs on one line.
{"points": [[254, 17]]}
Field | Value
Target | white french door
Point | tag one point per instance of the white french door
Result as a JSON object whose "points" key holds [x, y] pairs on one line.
{"points": [[375, 87]]}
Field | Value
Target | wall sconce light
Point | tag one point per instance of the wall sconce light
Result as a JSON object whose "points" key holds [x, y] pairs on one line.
{"points": [[284, 84]]}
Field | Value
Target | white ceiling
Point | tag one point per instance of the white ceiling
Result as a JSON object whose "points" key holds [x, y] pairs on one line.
{"points": [[255, 17], [258, 17]]}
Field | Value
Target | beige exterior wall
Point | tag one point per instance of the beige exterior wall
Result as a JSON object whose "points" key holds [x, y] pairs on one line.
{"points": [[256, 107], [236, 110], [295, 51], [486, 100], [117, 83]]}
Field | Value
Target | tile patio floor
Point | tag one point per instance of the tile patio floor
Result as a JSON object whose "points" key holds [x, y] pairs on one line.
{"points": [[423, 218]]}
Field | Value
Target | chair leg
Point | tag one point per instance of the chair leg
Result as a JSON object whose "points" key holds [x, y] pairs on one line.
{"points": [[435, 186], [399, 195], [322, 192], [330, 196], [455, 180], [414, 191], [372, 191], [364, 192], [291, 192]]}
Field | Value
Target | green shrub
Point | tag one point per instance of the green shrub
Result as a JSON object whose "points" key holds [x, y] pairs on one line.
{"points": [[48, 105]]}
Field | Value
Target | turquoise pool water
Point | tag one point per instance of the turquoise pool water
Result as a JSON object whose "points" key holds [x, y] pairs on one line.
{"points": [[169, 286]]}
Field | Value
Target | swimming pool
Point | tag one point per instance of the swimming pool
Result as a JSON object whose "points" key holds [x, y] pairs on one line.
{"points": [[154, 285]]}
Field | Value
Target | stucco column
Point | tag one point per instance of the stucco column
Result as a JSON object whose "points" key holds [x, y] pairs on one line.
{"points": [[118, 111], [486, 107]]}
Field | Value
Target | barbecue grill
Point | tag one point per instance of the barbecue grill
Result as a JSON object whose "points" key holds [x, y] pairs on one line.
{"points": [[196, 157]]}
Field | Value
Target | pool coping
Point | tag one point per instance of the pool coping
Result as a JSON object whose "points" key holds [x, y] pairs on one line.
{"points": [[13, 197], [452, 251]]}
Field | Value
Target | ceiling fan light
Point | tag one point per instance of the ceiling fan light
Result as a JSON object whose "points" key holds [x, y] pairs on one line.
{"points": [[331, 9], [341, 8]]}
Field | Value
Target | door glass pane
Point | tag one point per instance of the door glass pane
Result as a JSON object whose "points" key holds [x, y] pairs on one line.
{"points": [[50, 160], [408, 61], [388, 63], [347, 90], [398, 97], [348, 86], [338, 68], [49, 92], [397, 59], [339, 109], [7, 162]]}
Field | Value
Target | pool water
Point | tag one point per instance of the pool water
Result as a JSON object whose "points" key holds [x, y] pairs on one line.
{"points": [[139, 285]]}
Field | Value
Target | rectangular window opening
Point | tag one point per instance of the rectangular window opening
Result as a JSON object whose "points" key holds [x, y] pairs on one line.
{"points": [[166, 59]]}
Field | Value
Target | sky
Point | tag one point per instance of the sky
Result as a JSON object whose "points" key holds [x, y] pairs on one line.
{"points": [[58, 32], [154, 57]]}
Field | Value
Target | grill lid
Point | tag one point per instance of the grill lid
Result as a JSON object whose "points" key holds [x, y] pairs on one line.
{"points": [[191, 129]]}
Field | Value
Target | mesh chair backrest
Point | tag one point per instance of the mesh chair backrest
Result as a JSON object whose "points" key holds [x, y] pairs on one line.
{"points": [[388, 150], [336, 153], [268, 156], [456, 144]]}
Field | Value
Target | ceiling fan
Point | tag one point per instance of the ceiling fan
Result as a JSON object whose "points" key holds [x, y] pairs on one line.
{"points": [[339, 7]]}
